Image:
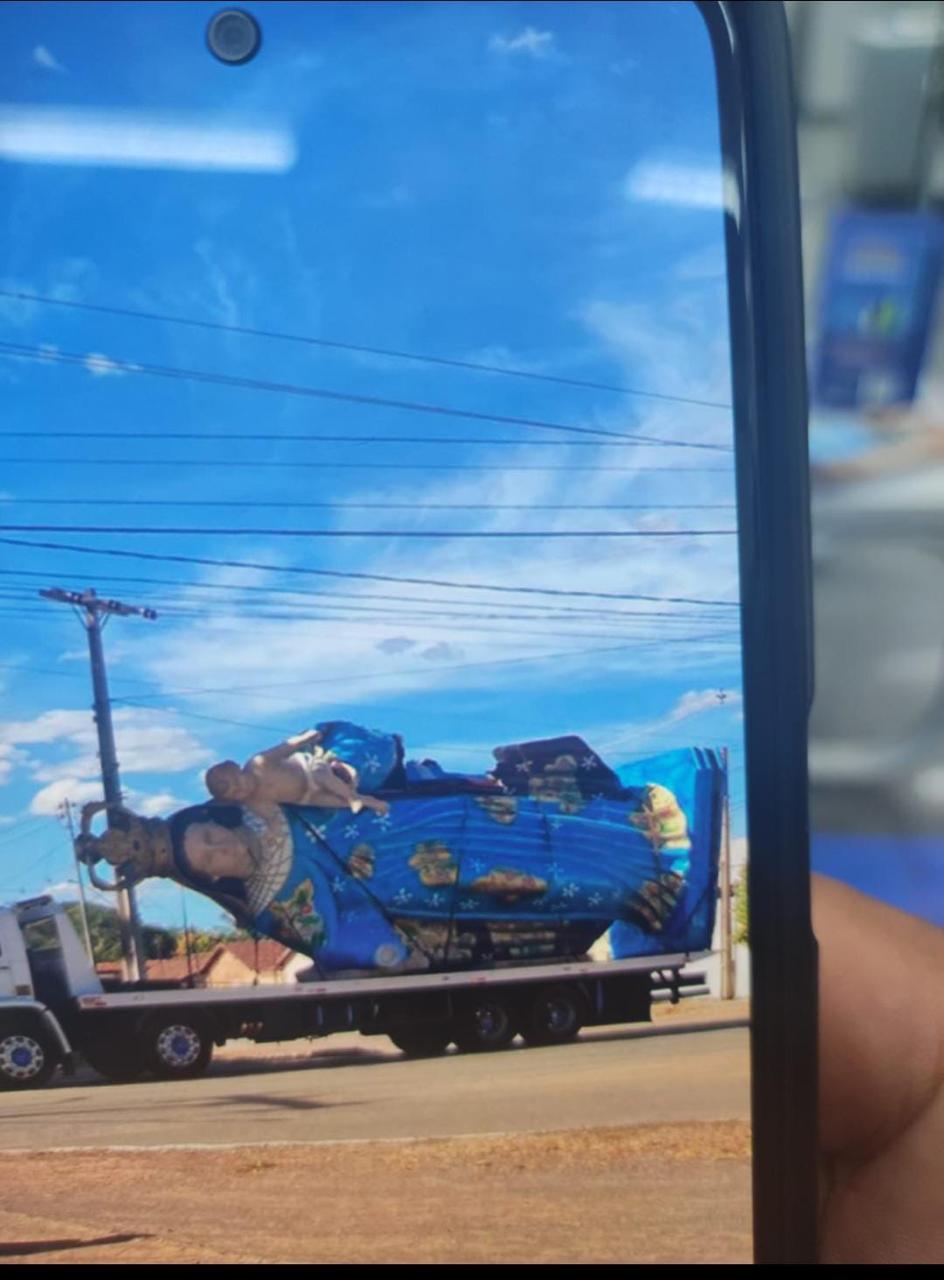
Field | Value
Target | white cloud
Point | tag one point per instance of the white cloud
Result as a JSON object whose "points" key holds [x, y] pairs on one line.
{"points": [[73, 655], [689, 186], [534, 43], [697, 702], [44, 135], [103, 366], [74, 790], [150, 742], [45, 58], [79, 791], [10, 758], [153, 805], [62, 887], [679, 347]]}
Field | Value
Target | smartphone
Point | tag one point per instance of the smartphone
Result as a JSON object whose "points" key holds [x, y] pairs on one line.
{"points": [[406, 401]]}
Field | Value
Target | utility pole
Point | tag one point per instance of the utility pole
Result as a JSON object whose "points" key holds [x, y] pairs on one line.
{"points": [[65, 812], [727, 952], [94, 613]]}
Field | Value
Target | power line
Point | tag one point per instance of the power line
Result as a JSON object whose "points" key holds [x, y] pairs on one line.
{"points": [[31, 824], [468, 624], [228, 437], [189, 532], [308, 340], [371, 615], [434, 624], [243, 383], [305, 570], [69, 675], [230, 464], [353, 600], [288, 503], [303, 685]]}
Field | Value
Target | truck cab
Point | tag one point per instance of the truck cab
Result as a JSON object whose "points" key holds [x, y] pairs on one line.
{"points": [[43, 966]]}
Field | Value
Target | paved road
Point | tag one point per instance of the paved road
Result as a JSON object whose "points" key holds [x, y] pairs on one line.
{"points": [[356, 1088]]}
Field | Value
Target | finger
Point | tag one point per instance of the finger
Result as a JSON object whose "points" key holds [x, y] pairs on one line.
{"points": [[881, 1018]]}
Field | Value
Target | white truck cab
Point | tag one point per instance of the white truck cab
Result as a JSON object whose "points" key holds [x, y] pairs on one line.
{"points": [[42, 963]]}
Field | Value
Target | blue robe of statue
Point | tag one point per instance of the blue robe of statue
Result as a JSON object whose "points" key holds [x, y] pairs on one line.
{"points": [[534, 862]]}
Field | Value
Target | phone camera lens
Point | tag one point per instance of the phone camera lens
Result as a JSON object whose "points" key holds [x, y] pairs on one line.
{"points": [[233, 36]]}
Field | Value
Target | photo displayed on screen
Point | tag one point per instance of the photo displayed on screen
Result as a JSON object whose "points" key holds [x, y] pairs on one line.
{"points": [[369, 453]]}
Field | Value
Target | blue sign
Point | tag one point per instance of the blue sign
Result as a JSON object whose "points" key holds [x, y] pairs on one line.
{"points": [[879, 288]]}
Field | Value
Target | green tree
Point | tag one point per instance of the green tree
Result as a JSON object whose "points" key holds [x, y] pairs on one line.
{"points": [[159, 943], [740, 931]]}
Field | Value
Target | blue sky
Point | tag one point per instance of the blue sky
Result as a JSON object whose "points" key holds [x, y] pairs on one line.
{"points": [[530, 187]]}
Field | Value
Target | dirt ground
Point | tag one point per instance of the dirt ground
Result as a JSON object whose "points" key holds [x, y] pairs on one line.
{"points": [[656, 1193]]}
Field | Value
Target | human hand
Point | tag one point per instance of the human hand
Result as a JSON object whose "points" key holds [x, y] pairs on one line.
{"points": [[881, 1080]]}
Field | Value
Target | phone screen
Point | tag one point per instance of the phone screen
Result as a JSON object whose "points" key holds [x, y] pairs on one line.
{"points": [[382, 352]]}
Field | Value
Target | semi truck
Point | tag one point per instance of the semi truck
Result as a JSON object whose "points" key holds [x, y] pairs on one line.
{"points": [[55, 1009]]}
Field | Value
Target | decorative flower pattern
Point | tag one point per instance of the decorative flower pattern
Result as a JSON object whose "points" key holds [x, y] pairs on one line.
{"points": [[434, 864], [298, 921]]}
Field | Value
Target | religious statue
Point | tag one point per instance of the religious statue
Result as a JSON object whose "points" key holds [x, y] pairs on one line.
{"points": [[335, 845]]}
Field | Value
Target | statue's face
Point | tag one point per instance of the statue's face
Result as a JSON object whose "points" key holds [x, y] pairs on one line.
{"points": [[216, 851], [229, 783]]}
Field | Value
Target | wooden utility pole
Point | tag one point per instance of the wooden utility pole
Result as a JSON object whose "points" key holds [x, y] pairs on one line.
{"points": [[65, 811], [727, 949], [94, 613]]}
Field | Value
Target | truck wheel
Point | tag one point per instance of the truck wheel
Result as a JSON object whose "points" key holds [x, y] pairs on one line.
{"points": [[177, 1047], [555, 1017], [485, 1025], [27, 1058], [119, 1063], [422, 1042]]}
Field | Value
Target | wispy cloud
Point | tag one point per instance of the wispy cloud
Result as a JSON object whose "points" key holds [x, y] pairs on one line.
{"points": [[45, 58], [530, 42], [694, 704]]}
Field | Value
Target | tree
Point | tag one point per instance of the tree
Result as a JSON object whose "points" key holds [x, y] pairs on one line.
{"points": [[159, 943], [740, 931]]}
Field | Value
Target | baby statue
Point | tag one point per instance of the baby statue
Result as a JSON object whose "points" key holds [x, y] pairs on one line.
{"points": [[297, 771]]}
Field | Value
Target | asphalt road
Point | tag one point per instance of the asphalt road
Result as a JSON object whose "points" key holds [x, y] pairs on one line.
{"points": [[356, 1089]]}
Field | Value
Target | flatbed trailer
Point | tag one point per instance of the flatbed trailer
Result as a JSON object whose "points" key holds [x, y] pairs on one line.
{"points": [[53, 1006]]}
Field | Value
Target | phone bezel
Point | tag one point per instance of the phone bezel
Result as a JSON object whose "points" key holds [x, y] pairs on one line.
{"points": [[765, 292]]}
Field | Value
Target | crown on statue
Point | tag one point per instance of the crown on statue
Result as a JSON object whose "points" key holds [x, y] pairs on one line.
{"points": [[140, 847]]}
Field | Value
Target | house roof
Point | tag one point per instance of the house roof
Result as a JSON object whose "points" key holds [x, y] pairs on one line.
{"points": [[173, 969], [265, 954], [176, 968]]}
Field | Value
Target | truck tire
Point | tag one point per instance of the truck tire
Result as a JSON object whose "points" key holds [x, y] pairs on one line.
{"points": [[485, 1025], [555, 1017], [27, 1055], [119, 1062], [177, 1046], [422, 1042]]}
